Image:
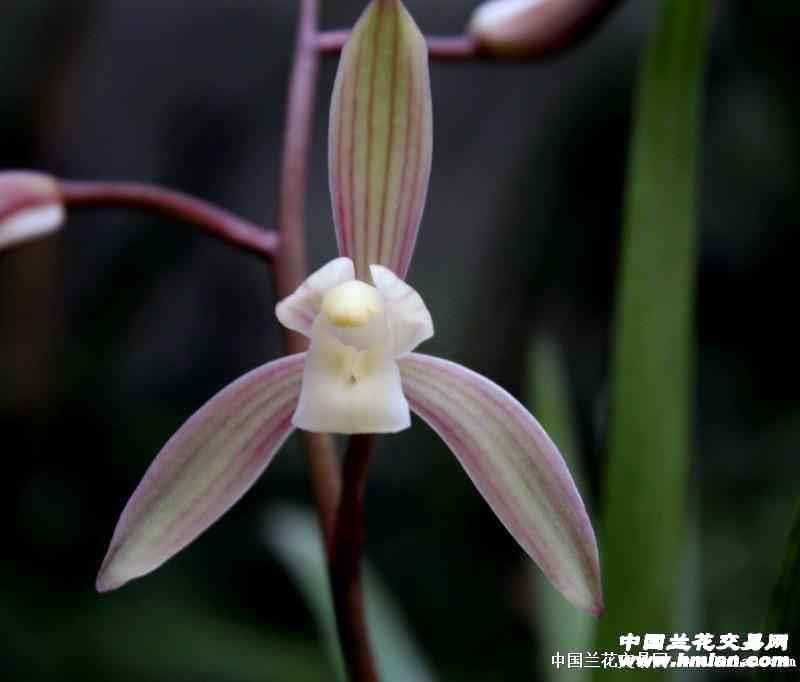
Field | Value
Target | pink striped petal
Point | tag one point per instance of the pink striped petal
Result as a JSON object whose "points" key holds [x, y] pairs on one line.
{"points": [[516, 468], [210, 462], [381, 139]]}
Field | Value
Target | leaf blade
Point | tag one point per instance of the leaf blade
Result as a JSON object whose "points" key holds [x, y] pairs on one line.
{"points": [[649, 443]]}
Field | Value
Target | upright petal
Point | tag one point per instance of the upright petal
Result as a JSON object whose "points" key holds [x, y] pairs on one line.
{"points": [[408, 315], [210, 462], [381, 139], [299, 310], [516, 468]]}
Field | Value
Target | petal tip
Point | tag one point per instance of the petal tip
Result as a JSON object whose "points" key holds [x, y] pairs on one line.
{"points": [[584, 597], [587, 597], [597, 610], [109, 579], [103, 584]]}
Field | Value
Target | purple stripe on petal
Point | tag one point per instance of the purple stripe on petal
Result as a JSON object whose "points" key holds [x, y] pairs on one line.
{"points": [[516, 468], [210, 462], [366, 224], [393, 148], [424, 144], [409, 171], [380, 161]]}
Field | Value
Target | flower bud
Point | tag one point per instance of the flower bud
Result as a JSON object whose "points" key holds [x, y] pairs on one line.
{"points": [[31, 206], [524, 28]]}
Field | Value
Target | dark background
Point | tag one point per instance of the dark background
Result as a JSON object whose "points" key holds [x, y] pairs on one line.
{"points": [[112, 333]]}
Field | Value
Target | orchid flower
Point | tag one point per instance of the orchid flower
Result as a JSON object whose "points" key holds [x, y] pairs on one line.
{"points": [[360, 374]]}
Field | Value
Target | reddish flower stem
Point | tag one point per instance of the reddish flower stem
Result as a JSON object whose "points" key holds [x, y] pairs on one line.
{"points": [[209, 218], [564, 33], [444, 48], [290, 268], [345, 562], [340, 515], [340, 511]]}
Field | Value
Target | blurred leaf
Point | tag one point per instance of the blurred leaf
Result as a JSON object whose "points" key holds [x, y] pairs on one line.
{"points": [[784, 611], [563, 628], [86, 636], [293, 535], [649, 440], [168, 644], [548, 394], [690, 603]]}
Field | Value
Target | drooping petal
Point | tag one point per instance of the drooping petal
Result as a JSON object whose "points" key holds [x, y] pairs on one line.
{"points": [[516, 468], [299, 310], [31, 206], [348, 390], [407, 313], [210, 462], [381, 139]]}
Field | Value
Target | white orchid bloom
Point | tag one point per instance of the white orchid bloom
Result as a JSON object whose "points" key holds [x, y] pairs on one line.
{"points": [[351, 380], [360, 374]]}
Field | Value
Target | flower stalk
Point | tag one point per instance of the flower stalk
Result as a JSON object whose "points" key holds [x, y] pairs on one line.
{"points": [[209, 218], [290, 268], [442, 48], [345, 562], [506, 30], [339, 511]]}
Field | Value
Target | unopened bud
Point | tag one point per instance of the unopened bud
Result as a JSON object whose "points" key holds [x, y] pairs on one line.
{"points": [[523, 28], [31, 206]]}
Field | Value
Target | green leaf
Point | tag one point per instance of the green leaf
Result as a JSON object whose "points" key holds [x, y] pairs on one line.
{"points": [[167, 643], [293, 535], [784, 611], [562, 627], [78, 636], [649, 440]]}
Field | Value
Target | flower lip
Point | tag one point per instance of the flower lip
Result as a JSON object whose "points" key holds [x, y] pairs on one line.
{"points": [[351, 304], [351, 380]]}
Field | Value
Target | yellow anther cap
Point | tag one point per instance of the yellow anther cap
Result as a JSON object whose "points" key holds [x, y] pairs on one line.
{"points": [[351, 304]]}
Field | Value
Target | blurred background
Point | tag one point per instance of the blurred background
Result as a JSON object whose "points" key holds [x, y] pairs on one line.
{"points": [[114, 332]]}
